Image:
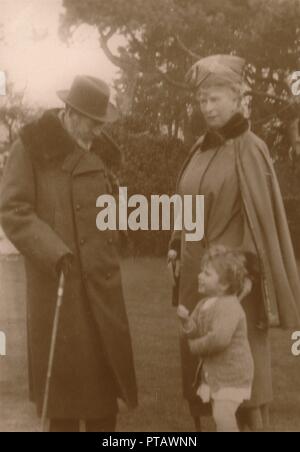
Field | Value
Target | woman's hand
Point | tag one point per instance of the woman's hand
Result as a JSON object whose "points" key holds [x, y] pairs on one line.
{"points": [[173, 259], [172, 256]]}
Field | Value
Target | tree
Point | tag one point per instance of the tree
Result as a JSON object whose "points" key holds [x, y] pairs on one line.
{"points": [[162, 38], [13, 112]]}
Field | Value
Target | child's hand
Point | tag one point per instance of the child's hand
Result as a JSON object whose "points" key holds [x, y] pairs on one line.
{"points": [[182, 312], [246, 289]]}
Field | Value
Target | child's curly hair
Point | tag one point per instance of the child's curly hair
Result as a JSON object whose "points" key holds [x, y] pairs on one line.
{"points": [[231, 266]]}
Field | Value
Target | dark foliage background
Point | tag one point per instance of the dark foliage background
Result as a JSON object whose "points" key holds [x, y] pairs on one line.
{"points": [[158, 42]]}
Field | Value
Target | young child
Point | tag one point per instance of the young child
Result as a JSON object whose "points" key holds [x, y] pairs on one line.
{"points": [[217, 333]]}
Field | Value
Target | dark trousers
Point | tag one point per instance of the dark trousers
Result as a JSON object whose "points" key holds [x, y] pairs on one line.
{"points": [[94, 425]]}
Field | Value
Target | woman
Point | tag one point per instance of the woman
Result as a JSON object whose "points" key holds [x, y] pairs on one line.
{"points": [[231, 167]]}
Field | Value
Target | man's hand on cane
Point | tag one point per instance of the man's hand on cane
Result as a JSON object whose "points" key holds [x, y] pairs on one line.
{"points": [[64, 265]]}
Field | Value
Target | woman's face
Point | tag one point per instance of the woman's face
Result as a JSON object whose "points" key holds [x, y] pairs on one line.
{"points": [[218, 105]]}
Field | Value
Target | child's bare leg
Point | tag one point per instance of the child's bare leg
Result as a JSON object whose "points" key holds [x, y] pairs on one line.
{"points": [[224, 413]]}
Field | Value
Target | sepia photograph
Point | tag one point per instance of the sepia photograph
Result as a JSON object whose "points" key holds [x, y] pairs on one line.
{"points": [[150, 218]]}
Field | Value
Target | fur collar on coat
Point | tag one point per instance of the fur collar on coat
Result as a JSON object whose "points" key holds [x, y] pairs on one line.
{"points": [[48, 141]]}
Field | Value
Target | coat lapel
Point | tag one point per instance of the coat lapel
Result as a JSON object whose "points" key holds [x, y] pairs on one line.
{"points": [[72, 159], [87, 162], [81, 162]]}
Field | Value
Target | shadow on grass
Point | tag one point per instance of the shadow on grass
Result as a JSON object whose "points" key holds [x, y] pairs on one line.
{"points": [[155, 341]]}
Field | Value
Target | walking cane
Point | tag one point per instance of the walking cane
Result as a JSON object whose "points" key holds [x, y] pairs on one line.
{"points": [[60, 294]]}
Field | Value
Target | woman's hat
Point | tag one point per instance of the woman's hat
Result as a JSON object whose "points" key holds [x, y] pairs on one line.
{"points": [[228, 68], [90, 97]]}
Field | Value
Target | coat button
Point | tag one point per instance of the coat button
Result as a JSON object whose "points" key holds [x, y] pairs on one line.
{"points": [[110, 241], [108, 275], [82, 241], [78, 207]]}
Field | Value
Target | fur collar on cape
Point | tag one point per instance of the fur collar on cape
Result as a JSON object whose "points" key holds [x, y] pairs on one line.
{"points": [[235, 127]]}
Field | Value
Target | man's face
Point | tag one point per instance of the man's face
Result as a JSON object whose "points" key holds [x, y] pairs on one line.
{"points": [[84, 129], [218, 105]]}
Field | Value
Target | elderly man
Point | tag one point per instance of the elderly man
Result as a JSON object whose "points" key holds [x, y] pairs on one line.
{"points": [[56, 170]]}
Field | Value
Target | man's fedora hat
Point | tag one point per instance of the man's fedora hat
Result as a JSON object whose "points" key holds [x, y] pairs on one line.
{"points": [[90, 97]]}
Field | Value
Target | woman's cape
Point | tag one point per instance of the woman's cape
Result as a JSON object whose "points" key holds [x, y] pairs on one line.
{"points": [[266, 216]]}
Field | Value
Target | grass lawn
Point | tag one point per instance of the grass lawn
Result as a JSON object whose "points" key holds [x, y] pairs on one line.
{"points": [[155, 341]]}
